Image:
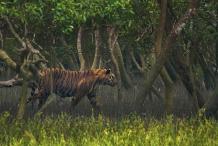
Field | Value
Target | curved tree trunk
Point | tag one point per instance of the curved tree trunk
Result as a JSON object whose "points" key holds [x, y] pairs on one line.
{"points": [[185, 72], [125, 79], [80, 50], [72, 60], [158, 49], [160, 62], [98, 46], [211, 106], [111, 43], [168, 102], [123, 73]]}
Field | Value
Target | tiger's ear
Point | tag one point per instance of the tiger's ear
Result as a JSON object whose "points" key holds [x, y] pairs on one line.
{"points": [[108, 71]]}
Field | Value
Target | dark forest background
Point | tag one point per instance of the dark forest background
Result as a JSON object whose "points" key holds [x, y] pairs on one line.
{"points": [[164, 53]]}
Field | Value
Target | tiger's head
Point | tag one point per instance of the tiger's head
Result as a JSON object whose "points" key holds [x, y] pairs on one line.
{"points": [[106, 77]]}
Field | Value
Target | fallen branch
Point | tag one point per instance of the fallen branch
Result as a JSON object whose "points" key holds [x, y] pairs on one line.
{"points": [[16, 81]]}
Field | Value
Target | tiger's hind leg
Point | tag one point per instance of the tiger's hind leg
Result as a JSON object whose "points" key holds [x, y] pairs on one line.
{"points": [[95, 104]]}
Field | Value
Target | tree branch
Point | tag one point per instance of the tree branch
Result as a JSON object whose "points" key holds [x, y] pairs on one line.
{"points": [[135, 62], [12, 82], [157, 93], [31, 48], [14, 32], [82, 59], [98, 46], [167, 47], [4, 57], [1, 39]]}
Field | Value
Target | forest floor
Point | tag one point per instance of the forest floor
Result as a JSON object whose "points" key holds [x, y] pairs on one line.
{"points": [[64, 130]]}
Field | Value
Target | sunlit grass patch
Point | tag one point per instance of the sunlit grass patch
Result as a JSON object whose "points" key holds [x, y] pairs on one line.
{"points": [[133, 130]]}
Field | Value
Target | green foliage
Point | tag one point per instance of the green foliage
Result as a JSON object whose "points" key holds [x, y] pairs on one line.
{"points": [[65, 15], [139, 28], [132, 130], [69, 14]]}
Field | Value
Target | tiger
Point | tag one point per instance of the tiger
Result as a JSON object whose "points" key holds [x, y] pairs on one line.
{"points": [[68, 83]]}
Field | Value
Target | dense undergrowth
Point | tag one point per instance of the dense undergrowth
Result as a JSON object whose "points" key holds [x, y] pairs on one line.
{"points": [[132, 130]]}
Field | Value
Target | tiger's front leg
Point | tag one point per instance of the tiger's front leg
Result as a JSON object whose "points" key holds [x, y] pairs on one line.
{"points": [[74, 101], [95, 104], [42, 101], [42, 96]]}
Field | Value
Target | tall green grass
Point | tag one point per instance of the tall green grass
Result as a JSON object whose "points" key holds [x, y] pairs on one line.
{"points": [[64, 130]]}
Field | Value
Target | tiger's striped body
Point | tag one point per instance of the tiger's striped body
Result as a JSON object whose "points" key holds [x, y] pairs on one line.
{"points": [[66, 83]]}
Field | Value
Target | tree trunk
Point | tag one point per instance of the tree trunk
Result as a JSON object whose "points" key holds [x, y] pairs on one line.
{"points": [[211, 106], [22, 101], [126, 81], [80, 50], [73, 61], [156, 68], [217, 51], [160, 32], [4, 57], [168, 102], [98, 46], [158, 49], [25, 68], [1, 39], [111, 45]]}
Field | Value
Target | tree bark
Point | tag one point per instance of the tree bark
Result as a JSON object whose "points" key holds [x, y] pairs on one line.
{"points": [[25, 67], [73, 61], [98, 45], [16, 35], [141, 68], [12, 82], [160, 31], [5, 58], [168, 102], [125, 78], [22, 101], [156, 68], [194, 94], [1, 39], [80, 50], [115, 48], [158, 49], [211, 106], [126, 81], [111, 42]]}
